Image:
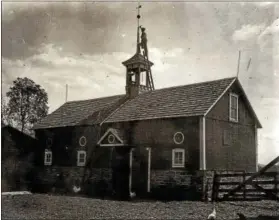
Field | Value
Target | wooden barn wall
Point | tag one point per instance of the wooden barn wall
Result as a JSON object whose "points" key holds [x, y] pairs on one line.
{"points": [[158, 134], [240, 151], [17, 157], [69, 137]]}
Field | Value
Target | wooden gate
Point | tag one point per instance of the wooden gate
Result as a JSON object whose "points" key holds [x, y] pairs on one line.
{"points": [[246, 186]]}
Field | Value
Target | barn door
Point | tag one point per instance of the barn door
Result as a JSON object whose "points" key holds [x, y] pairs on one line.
{"points": [[140, 171], [120, 172]]}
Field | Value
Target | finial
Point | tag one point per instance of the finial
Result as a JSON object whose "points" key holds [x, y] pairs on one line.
{"points": [[139, 6]]}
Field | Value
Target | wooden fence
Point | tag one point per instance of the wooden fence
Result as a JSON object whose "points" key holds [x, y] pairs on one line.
{"points": [[263, 187], [246, 186]]}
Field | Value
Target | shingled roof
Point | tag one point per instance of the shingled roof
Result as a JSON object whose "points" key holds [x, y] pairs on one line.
{"points": [[75, 112], [180, 101]]}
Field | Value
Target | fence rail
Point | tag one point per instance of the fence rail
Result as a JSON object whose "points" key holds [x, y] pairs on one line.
{"points": [[262, 187], [246, 186]]}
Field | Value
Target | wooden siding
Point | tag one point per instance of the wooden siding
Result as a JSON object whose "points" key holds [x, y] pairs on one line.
{"points": [[69, 137], [158, 134], [238, 152]]}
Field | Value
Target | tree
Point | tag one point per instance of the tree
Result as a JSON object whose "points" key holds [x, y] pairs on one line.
{"points": [[27, 103], [5, 111]]}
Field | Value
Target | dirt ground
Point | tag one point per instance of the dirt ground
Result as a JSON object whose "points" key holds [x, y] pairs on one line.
{"points": [[40, 206]]}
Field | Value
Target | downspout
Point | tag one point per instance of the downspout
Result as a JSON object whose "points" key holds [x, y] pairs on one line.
{"points": [[202, 132], [149, 168], [131, 169]]}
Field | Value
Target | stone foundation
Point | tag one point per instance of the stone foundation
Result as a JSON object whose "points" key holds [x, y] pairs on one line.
{"points": [[170, 177], [97, 177], [175, 185]]}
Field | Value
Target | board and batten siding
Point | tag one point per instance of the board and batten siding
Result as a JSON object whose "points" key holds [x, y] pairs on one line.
{"points": [[65, 144], [230, 145], [158, 135]]}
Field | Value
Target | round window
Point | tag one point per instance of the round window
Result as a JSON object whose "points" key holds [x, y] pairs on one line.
{"points": [[111, 138], [178, 138], [49, 142], [82, 141]]}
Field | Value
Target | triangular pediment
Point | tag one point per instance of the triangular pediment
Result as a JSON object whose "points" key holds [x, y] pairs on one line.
{"points": [[112, 137]]}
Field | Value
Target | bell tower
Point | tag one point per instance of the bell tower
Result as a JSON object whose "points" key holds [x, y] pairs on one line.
{"points": [[138, 67]]}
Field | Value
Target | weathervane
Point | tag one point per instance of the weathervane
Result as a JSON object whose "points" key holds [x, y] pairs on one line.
{"points": [[143, 43]]}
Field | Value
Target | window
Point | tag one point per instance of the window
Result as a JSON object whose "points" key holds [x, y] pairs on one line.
{"points": [[178, 157], [143, 78], [133, 77], [233, 107], [82, 141], [178, 138], [111, 138], [48, 157], [81, 158]]}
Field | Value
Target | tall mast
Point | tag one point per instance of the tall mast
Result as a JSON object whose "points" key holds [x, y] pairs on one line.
{"points": [[138, 17]]}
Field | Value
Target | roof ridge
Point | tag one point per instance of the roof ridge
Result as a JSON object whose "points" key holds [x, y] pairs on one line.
{"points": [[117, 109], [82, 100], [191, 84]]}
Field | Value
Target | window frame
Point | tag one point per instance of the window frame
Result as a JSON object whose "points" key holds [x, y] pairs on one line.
{"points": [[230, 110], [46, 162], [178, 150], [79, 152]]}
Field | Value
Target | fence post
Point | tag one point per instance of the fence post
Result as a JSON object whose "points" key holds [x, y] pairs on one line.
{"points": [[213, 197], [276, 180], [244, 187]]}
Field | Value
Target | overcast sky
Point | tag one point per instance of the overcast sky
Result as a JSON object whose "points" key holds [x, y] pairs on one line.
{"points": [[83, 45]]}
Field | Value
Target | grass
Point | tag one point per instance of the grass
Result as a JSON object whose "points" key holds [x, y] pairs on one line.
{"points": [[42, 206]]}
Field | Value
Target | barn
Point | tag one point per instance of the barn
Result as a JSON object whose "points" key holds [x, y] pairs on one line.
{"points": [[147, 139], [17, 157]]}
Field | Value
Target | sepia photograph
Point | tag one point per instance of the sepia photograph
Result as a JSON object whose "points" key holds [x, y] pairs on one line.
{"points": [[140, 110]]}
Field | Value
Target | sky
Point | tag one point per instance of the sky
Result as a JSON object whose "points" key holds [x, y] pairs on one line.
{"points": [[84, 44]]}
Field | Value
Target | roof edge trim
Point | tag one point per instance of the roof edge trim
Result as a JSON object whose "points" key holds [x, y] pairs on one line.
{"points": [[217, 100], [110, 130], [249, 105]]}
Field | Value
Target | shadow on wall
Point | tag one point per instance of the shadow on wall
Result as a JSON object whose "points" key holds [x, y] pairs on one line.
{"points": [[14, 173]]}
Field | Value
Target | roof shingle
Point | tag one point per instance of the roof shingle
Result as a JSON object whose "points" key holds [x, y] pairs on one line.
{"points": [[72, 113], [181, 101]]}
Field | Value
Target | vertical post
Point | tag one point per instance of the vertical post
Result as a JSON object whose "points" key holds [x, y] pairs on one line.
{"points": [[131, 169], [238, 63], [276, 180], [202, 131], [244, 187], [137, 77], [256, 147], [66, 93], [149, 167], [214, 192], [127, 81]]}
